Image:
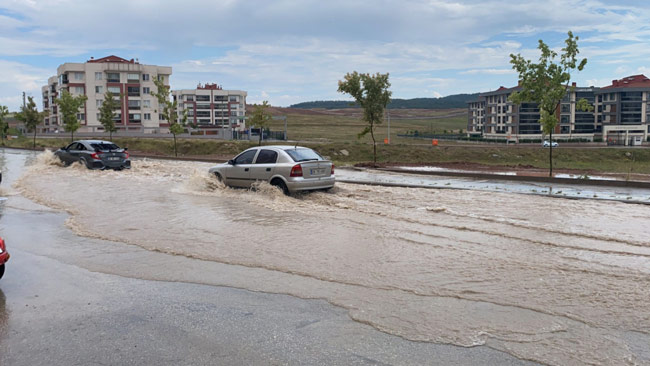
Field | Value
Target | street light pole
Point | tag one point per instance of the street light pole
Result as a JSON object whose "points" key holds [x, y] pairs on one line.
{"points": [[388, 114]]}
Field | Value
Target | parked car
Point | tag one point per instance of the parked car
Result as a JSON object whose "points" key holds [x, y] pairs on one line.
{"points": [[4, 257], [546, 143], [95, 154], [291, 168]]}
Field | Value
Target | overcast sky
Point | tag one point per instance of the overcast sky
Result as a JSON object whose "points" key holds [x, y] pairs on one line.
{"points": [[290, 51]]}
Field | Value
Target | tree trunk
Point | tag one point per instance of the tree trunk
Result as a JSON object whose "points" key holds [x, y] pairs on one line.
{"points": [[374, 146], [71, 136], [550, 155], [34, 143], [110, 135], [260, 143], [175, 152]]}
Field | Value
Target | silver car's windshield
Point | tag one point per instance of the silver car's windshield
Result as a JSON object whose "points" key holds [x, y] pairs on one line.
{"points": [[303, 155]]}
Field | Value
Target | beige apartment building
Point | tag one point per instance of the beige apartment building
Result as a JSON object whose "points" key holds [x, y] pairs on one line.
{"points": [[128, 78], [212, 109]]}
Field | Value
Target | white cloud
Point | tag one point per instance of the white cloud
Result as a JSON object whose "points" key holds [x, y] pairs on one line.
{"points": [[298, 50], [488, 71], [16, 78]]}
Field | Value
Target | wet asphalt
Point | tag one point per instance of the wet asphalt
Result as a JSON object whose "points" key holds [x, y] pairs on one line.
{"points": [[69, 300]]}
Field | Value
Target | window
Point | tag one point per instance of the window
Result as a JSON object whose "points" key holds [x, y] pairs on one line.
{"points": [[146, 90], [113, 77], [145, 77], [133, 91], [134, 104], [189, 98], [233, 98], [202, 98], [299, 155], [79, 89], [266, 157], [565, 108], [133, 77], [246, 157], [146, 104], [114, 89], [147, 116], [160, 117], [564, 119], [99, 89], [134, 117], [98, 103], [161, 77], [81, 116], [234, 114], [98, 75], [203, 113], [78, 75]]}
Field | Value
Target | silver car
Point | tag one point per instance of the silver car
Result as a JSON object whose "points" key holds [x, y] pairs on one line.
{"points": [[291, 168]]}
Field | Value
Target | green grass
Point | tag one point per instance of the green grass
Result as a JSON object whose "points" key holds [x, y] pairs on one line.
{"points": [[320, 127]]}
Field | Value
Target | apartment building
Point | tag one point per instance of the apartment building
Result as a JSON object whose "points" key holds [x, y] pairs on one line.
{"points": [[623, 110], [128, 78], [213, 109], [620, 116]]}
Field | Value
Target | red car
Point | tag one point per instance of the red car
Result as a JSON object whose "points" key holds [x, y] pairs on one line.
{"points": [[4, 257]]}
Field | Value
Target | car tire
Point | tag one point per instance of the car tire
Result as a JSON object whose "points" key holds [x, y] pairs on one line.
{"points": [[2, 270], [219, 177], [84, 162], [280, 184]]}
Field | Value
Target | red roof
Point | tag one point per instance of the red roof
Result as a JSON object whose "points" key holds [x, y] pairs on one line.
{"points": [[112, 58], [635, 81]]}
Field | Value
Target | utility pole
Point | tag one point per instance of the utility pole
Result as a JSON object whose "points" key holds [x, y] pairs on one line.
{"points": [[388, 113]]}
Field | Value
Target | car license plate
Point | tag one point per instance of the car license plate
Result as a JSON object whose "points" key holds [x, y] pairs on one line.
{"points": [[113, 158], [317, 171]]}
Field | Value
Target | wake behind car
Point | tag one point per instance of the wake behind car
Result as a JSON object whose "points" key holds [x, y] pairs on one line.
{"points": [[95, 154], [291, 168]]}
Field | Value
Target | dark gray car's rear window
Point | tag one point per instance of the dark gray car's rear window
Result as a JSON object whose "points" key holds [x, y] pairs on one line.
{"points": [[104, 147], [303, 155]]}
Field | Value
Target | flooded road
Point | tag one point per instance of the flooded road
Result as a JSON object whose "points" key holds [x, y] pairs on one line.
{"points": [[546, 279]]}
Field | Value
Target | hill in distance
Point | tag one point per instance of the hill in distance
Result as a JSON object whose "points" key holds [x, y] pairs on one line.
{"points": [[448, 102]]}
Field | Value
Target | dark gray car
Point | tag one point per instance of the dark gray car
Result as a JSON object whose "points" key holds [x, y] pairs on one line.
{"points": [[95, 154]]}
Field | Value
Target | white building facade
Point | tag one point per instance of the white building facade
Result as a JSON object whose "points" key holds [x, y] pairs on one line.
{"points": [[128, 78], [212, 109]]}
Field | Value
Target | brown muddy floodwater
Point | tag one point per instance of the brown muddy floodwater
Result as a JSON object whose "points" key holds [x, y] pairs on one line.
{"points": [[546, 279]]}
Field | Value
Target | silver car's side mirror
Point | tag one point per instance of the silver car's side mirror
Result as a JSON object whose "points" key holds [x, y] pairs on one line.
{"points": [[231, 162]]}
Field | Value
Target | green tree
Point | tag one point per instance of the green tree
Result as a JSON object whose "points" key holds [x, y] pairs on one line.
{"points": [[260, 117], [167, 110], [547, 83], [69, 107], [4, 124], [372, 94], [30, 116], [107, 113]]}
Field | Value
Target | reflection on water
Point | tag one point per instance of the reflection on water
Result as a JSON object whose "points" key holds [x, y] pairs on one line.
{"points": [[553, 280]]}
